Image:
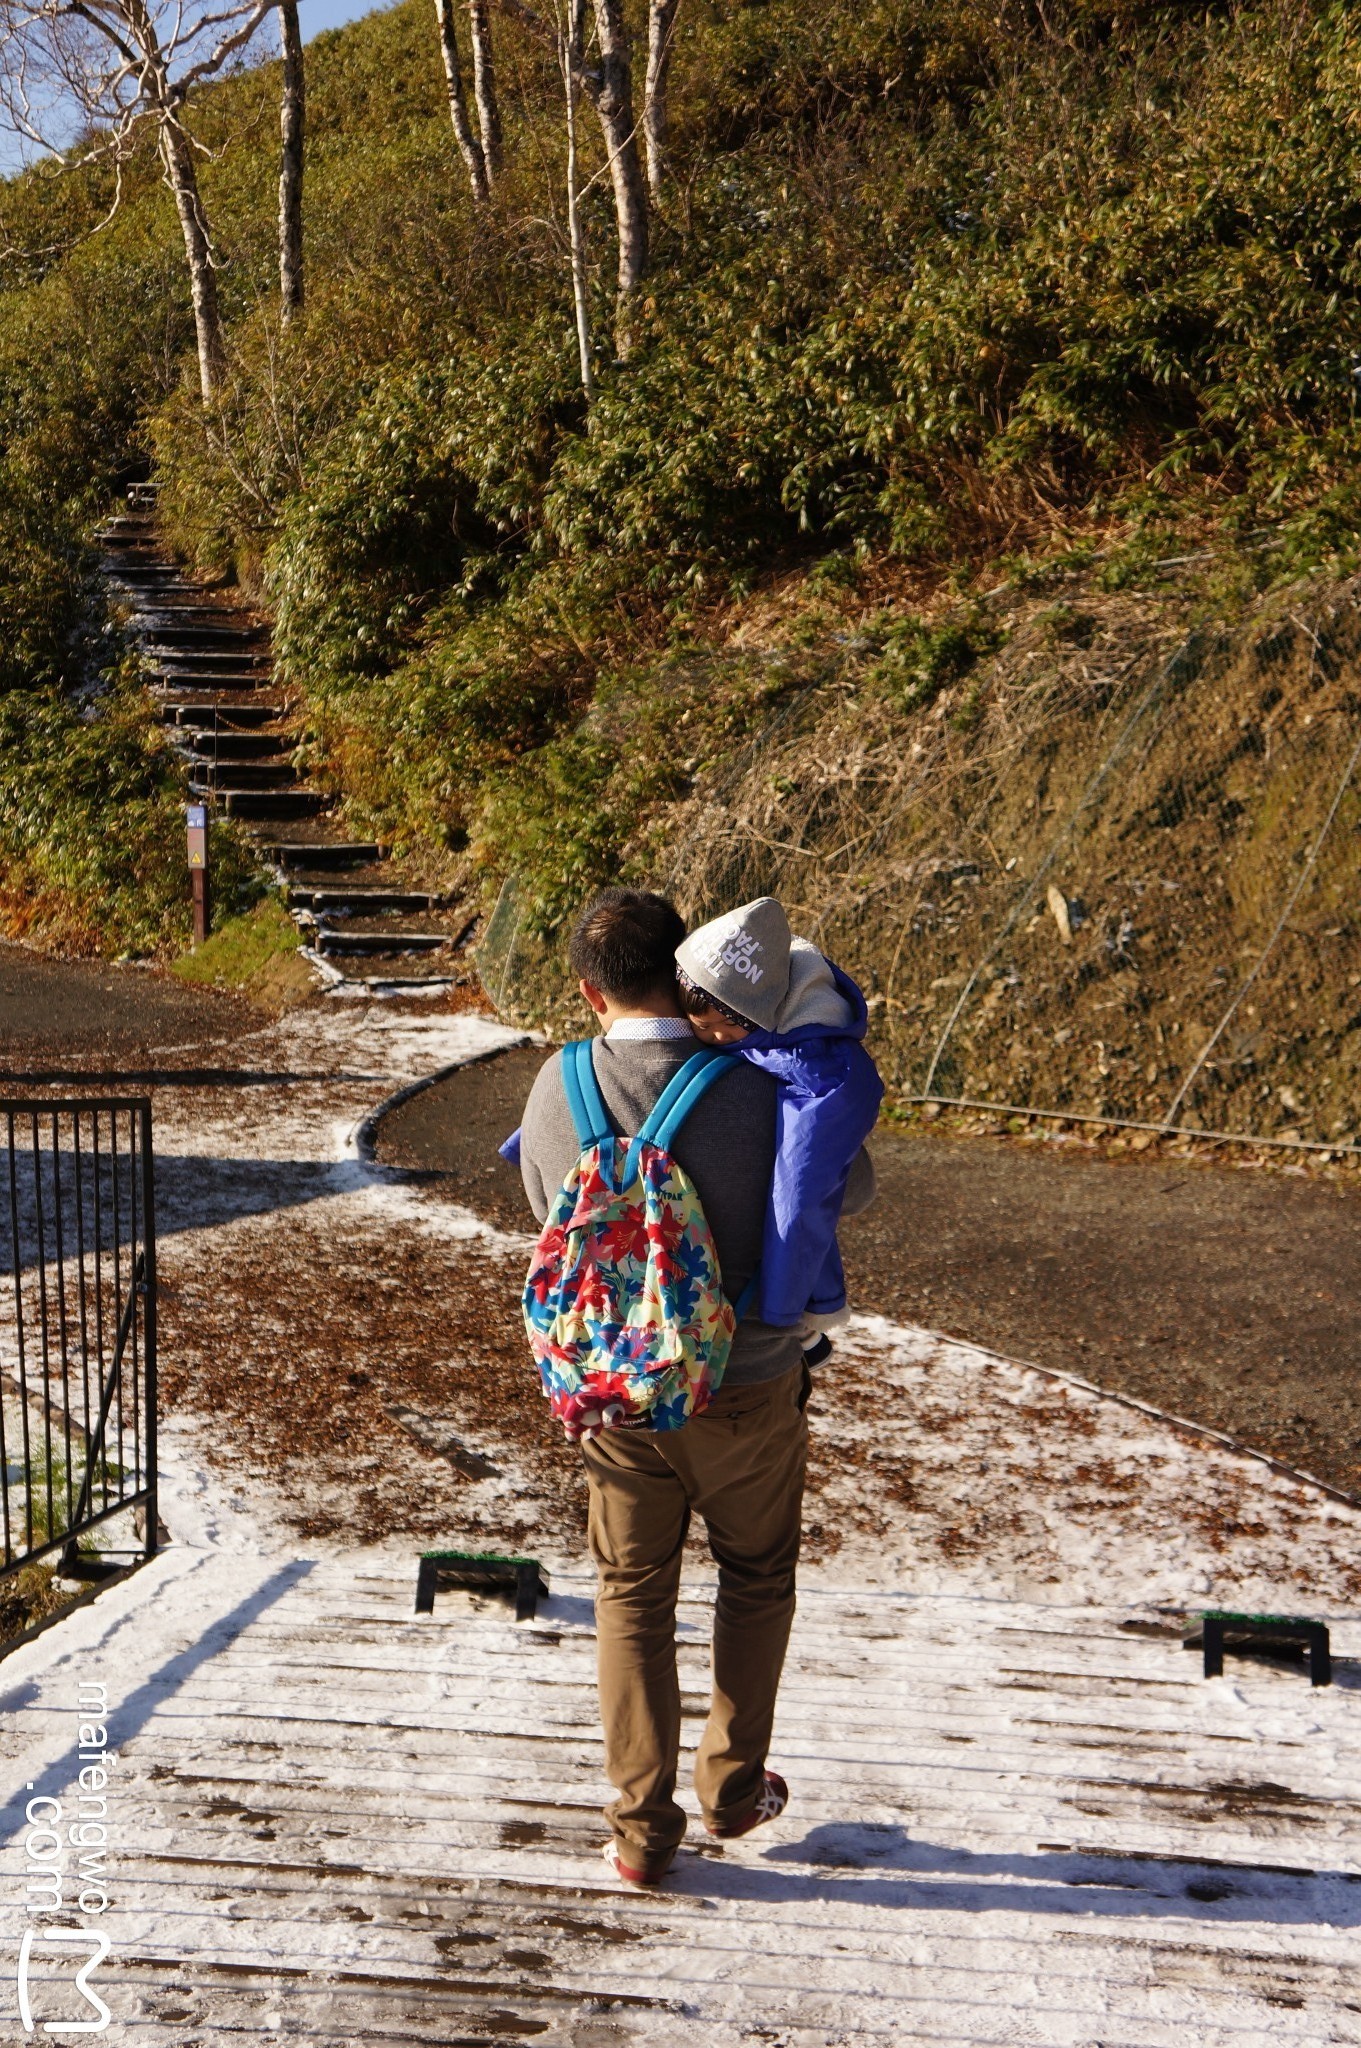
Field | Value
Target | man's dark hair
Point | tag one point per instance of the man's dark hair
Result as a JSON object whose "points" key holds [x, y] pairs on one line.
{"points": [[625, 945]]}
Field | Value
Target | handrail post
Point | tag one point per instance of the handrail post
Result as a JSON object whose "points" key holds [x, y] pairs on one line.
{"points": [[149, 1328]]}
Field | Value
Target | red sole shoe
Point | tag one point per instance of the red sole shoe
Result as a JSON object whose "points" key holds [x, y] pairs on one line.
{"points": [[773, 1799], [642, 1878]]}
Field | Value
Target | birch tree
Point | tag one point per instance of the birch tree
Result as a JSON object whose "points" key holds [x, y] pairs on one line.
{"points": [[572, 36], [292, 126], [469, 148], [484, 88], [661, 29], [112, 69], [614, 105], [608, 84]]}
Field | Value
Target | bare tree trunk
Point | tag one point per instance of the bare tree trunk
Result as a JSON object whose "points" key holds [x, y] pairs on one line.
{"points": [[470, 149], [178, 158], [661, 24], [484, 88], [292, 123], [570, 57], [610, 91], [614, 105]]}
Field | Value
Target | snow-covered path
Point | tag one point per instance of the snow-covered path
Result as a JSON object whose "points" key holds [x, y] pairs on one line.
{"points": [[1011, 1823], [1019, 1814]]}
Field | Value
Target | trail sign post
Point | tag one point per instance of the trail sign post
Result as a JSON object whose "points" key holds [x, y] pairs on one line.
{"points": [[197, 818]]}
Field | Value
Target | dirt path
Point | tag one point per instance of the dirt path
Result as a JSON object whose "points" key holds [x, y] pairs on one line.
{"points": [[124, 1023], [1227, 1296]]}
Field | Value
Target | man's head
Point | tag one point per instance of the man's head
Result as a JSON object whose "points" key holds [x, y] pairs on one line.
{"points": [[623, 951]]}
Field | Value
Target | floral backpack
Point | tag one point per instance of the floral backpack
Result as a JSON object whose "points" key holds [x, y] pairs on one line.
{"points": [[624, 1304]]}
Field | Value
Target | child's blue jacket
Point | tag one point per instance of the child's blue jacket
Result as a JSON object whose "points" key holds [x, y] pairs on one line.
{"points": [[828, 1103]]}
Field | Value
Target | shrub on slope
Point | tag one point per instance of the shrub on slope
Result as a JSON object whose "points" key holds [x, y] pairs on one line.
{"points": [[933, 284]]}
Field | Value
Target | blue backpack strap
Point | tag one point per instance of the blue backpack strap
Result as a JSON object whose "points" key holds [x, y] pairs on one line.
{"points": [[584, 1099], [675, 1103], [746, 1297], [681, 1094]]}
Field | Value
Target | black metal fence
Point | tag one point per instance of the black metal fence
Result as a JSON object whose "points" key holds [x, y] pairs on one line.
{"points": [[77, 1326]]}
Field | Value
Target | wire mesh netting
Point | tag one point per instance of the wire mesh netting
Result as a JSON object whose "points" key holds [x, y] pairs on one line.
{"points": [[523, 972], [1117, 877]]}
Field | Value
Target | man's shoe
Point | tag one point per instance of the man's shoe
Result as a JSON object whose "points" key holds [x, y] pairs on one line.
{"points": [[622, 1870], [770, 1804]]}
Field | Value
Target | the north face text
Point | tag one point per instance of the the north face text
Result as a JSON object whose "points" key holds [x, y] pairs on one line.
{"points": [[739, 951]]}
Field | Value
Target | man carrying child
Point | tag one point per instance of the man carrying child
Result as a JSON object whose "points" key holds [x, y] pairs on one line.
{"points": [[739, 1463]]}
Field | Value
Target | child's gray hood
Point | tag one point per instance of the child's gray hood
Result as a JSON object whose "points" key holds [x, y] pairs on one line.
{"points": [[813, 998]]}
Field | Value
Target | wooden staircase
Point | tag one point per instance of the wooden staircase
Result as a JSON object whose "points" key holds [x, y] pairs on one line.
{"points": [[366, 928]]}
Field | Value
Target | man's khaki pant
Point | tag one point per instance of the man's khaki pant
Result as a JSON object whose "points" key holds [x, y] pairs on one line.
{"points": [[740, 1465]]}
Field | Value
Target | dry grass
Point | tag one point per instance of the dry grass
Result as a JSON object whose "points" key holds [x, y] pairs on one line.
{"points": [[1168, 784]]}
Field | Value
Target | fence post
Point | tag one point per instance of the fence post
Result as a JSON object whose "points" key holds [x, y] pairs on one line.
{"points": [[149, 1325]]}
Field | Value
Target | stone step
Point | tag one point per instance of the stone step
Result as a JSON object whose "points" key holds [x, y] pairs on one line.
{"points": [[359, 902], [341, 881], [329, 942], [188, 652], [150, 572], [230, 683], [446, 920], [145, 572], [322, 854], [184, 682], [392, 972], [207, 776], [271, 803], [125, 526], [190, 689], [152, 618], [217, 745], [190, 608], [182, 640], [178, 660], [221, 715], [171, 597]]}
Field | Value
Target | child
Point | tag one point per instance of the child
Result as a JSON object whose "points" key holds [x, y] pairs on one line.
{"points": [[748, 984]]}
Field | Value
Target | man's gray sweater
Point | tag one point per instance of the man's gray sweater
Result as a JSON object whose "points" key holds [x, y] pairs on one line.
{"points": [[727, 1146]]}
